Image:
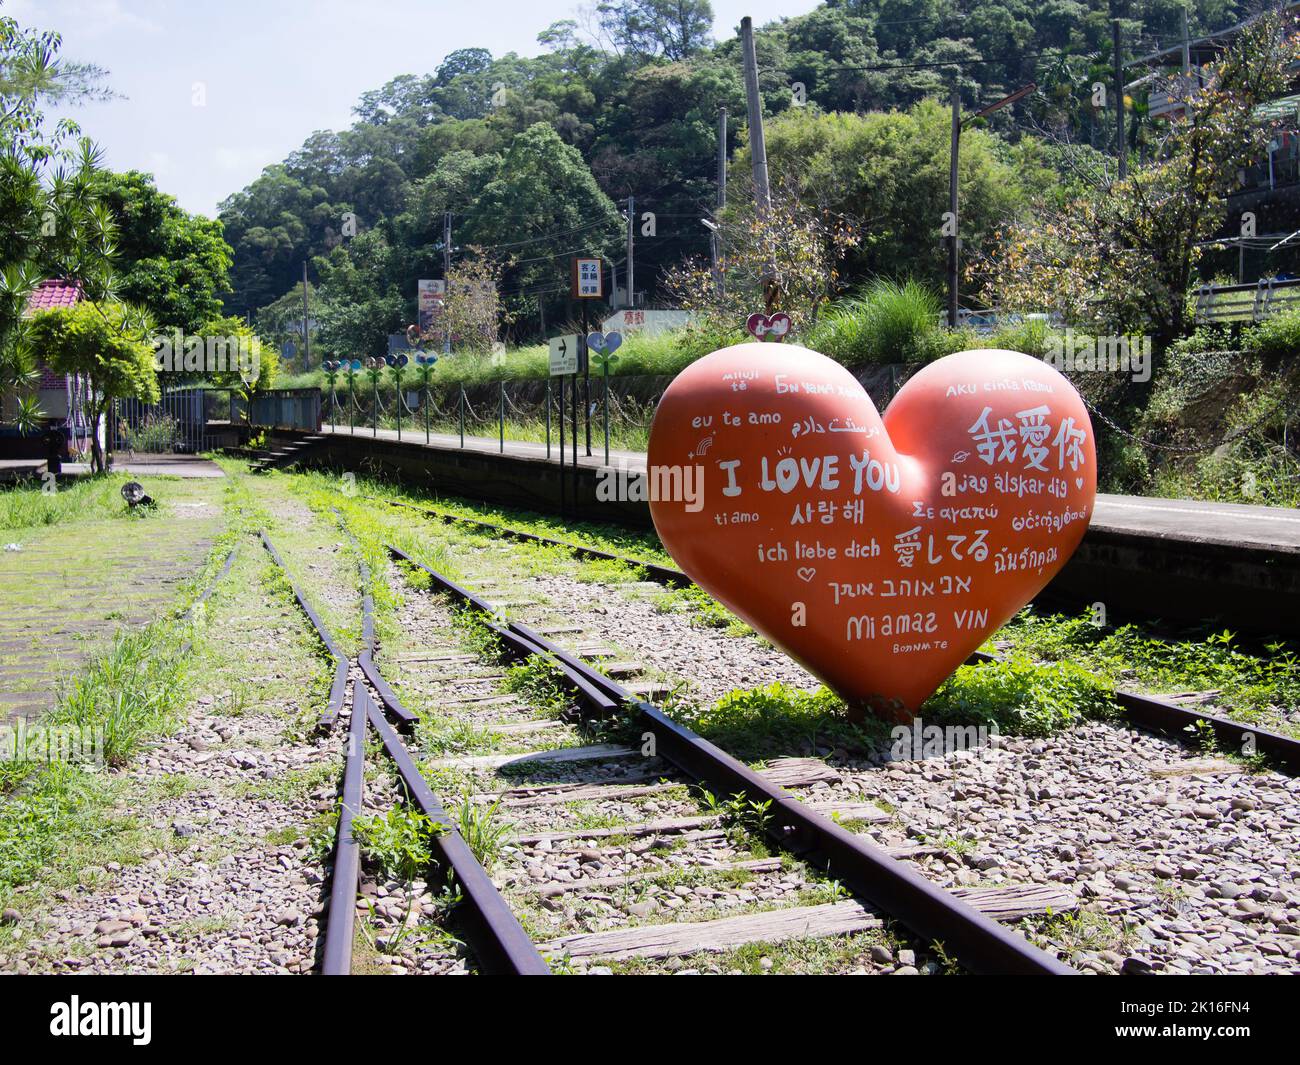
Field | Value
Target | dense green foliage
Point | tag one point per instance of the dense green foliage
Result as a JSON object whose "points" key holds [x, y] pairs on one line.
{"points": [[170, 262], [108, 344], [634, 98]]}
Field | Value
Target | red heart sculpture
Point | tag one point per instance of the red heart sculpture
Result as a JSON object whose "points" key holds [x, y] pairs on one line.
{"points": [[878, 552]]}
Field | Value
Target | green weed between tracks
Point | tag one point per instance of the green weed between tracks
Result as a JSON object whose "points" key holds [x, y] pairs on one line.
{"points": [[1213, 663]]}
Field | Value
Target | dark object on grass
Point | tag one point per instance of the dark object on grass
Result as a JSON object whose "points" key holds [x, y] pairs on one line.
{"points": [[54, 450], [133, 493]]}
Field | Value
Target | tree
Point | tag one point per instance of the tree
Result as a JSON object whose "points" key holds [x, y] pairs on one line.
{"points": [[362, 300], [170, 262], [472, 306], [108, 344], [888, 173], [547, 196], [674, 29], [51, 223], [250, 368], [1123, 256], [798, 244]]}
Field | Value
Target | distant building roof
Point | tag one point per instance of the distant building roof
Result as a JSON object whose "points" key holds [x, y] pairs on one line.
{"points": [[53, 294]]}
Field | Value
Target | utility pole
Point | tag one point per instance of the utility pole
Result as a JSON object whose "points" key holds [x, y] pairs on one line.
{"points": [[306, 314], [715, 236], [446, 276], [952, 208], [631, 223], [1187, 44], [758, 152], [1121, 147]]}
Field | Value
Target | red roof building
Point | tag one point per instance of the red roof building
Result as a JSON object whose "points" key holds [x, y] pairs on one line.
{"points": [[53, 294]]}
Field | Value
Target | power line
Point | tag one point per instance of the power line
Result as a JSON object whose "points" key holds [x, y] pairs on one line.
{"points": [[546, 236]]}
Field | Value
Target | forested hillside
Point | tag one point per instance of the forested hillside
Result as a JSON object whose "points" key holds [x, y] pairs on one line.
{"points": [[534, 155]]}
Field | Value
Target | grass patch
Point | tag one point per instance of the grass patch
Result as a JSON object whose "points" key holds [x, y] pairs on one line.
{"points": [[133, 690], [1129, 656], [1020, 697], [398, 843], [778, 719], [86, 499], [537, 680]]}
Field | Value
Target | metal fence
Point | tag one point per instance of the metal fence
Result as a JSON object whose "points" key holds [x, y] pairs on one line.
{"points": [[281, 408], [176, 423], [1247, 303]]}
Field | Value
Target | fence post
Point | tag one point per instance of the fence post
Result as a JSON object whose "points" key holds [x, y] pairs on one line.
{"points": [[501, 413], [426, 410], [605, 404], [374, 427], [548, 417], [462, 415]]}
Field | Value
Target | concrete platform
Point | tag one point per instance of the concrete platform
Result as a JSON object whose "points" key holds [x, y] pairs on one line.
{"points": [[142, 465], [16, 469], [1172, 559]]}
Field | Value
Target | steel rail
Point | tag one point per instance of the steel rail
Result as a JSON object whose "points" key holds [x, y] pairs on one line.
{"points": [[491, 928], [345, 881], [339, 688], [499, 941], [1170, 719], [974, 939], [1147, 711], [188, 612]]}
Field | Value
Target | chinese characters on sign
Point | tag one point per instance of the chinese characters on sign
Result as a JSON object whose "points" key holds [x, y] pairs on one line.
{"points": [[588, 279]]}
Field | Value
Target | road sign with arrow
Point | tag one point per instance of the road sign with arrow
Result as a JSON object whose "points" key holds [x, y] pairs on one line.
{"points": [[564, 355]]}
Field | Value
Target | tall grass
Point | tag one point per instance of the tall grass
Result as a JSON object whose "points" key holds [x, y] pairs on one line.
{"points": [[886, 322], [26, 507], [132, 690]]}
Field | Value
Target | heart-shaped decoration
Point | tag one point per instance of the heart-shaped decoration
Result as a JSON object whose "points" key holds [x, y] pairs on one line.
{"points": [[925, 530], [764, 326], [604, 343]]}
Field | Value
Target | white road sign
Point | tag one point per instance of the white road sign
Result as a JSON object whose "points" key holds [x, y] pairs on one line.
{"points": [[564, 355], [634, 321]]}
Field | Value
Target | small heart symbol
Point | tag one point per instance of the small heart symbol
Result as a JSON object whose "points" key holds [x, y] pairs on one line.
{"points": [[762, 326], [930, 527]]}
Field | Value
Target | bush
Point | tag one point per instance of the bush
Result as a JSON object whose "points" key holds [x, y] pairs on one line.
{"points": [[1274, 337], [1032, 336], [887, 322]]}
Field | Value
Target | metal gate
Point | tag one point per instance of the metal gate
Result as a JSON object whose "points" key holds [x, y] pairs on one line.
{"points": [[176, 423]]}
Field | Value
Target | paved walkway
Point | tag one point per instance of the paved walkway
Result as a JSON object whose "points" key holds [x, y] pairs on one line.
{"points": [[143, 465], [1230, 524], [67, 588]]}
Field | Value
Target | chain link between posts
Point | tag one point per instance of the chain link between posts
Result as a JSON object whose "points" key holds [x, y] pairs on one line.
{"points": [[1199, 449]]}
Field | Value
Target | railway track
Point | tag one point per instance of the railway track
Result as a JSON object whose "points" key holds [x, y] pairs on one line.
{"points": [[499, 943], [883, 886], [1149, 712], [967, 927], [604, 805]]}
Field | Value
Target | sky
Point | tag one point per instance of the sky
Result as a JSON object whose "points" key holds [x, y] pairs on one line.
{"points": [[210, 93]]}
